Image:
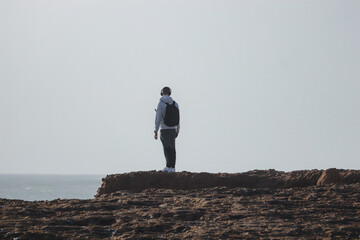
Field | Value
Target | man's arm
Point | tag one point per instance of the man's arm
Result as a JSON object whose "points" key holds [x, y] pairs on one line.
{"points": [[158, 120]]}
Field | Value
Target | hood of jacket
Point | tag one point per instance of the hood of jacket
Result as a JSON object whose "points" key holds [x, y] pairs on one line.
{"points": [[166, 99]]}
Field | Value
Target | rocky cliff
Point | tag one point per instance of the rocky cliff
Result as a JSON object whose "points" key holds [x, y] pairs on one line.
{"points": [[138, 181], [154, 205]]}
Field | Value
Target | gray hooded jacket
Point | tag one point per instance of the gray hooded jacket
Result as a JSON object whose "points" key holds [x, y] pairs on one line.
{"points": [[160, 114]]}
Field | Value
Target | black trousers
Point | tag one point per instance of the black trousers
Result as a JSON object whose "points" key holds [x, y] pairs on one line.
{"points": [[168, 141]]}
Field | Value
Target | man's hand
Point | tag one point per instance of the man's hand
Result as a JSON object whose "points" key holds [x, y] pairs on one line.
{"points": [[156, 136]]}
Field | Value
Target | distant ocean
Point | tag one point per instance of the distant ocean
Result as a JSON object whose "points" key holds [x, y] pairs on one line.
{"points": [[48, 187]]}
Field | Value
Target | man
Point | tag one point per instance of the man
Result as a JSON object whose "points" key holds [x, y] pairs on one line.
{"points": [[167, 118]]}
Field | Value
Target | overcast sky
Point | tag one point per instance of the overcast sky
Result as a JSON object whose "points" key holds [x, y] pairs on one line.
{"points": [[260, 84]]}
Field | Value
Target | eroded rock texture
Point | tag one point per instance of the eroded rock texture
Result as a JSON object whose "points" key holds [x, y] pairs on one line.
{"points": [[138, 181], [222, 212], [329, 176]]}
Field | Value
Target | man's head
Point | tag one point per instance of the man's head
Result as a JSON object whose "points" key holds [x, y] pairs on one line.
{"points": [[165, 91]]}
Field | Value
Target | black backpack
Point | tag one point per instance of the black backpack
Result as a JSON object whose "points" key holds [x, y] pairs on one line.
{"points": [[172, 115]]}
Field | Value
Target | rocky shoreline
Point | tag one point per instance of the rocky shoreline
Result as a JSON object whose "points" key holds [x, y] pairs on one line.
{"points": [[138, 181], [309, 204]]}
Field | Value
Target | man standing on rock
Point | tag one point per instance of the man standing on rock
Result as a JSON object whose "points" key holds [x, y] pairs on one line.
{"points": [[168, 119]]}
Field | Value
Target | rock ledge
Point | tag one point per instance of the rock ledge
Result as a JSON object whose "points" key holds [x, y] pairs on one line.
{"points": [[138, 181]]}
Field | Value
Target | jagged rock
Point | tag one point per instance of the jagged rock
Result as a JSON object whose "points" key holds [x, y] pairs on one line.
{"points": [[331, 175]]}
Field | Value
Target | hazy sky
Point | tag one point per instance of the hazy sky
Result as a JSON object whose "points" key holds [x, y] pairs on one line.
{"points": [[260, 84]]}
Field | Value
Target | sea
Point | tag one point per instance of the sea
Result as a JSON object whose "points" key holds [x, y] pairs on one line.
{"points": [[32, 187]]}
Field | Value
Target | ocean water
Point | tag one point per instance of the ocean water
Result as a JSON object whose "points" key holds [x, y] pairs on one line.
{"points": [[48, 187]]}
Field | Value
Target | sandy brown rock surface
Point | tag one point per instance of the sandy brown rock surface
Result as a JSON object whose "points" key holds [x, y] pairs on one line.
{"points": [[138, 181], [220, 212]]}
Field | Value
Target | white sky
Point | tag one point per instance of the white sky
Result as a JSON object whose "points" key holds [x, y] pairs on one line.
{"points": [[260, 84]]}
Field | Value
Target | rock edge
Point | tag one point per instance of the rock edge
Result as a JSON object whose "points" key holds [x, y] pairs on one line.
{"points": [[138, 181]]}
